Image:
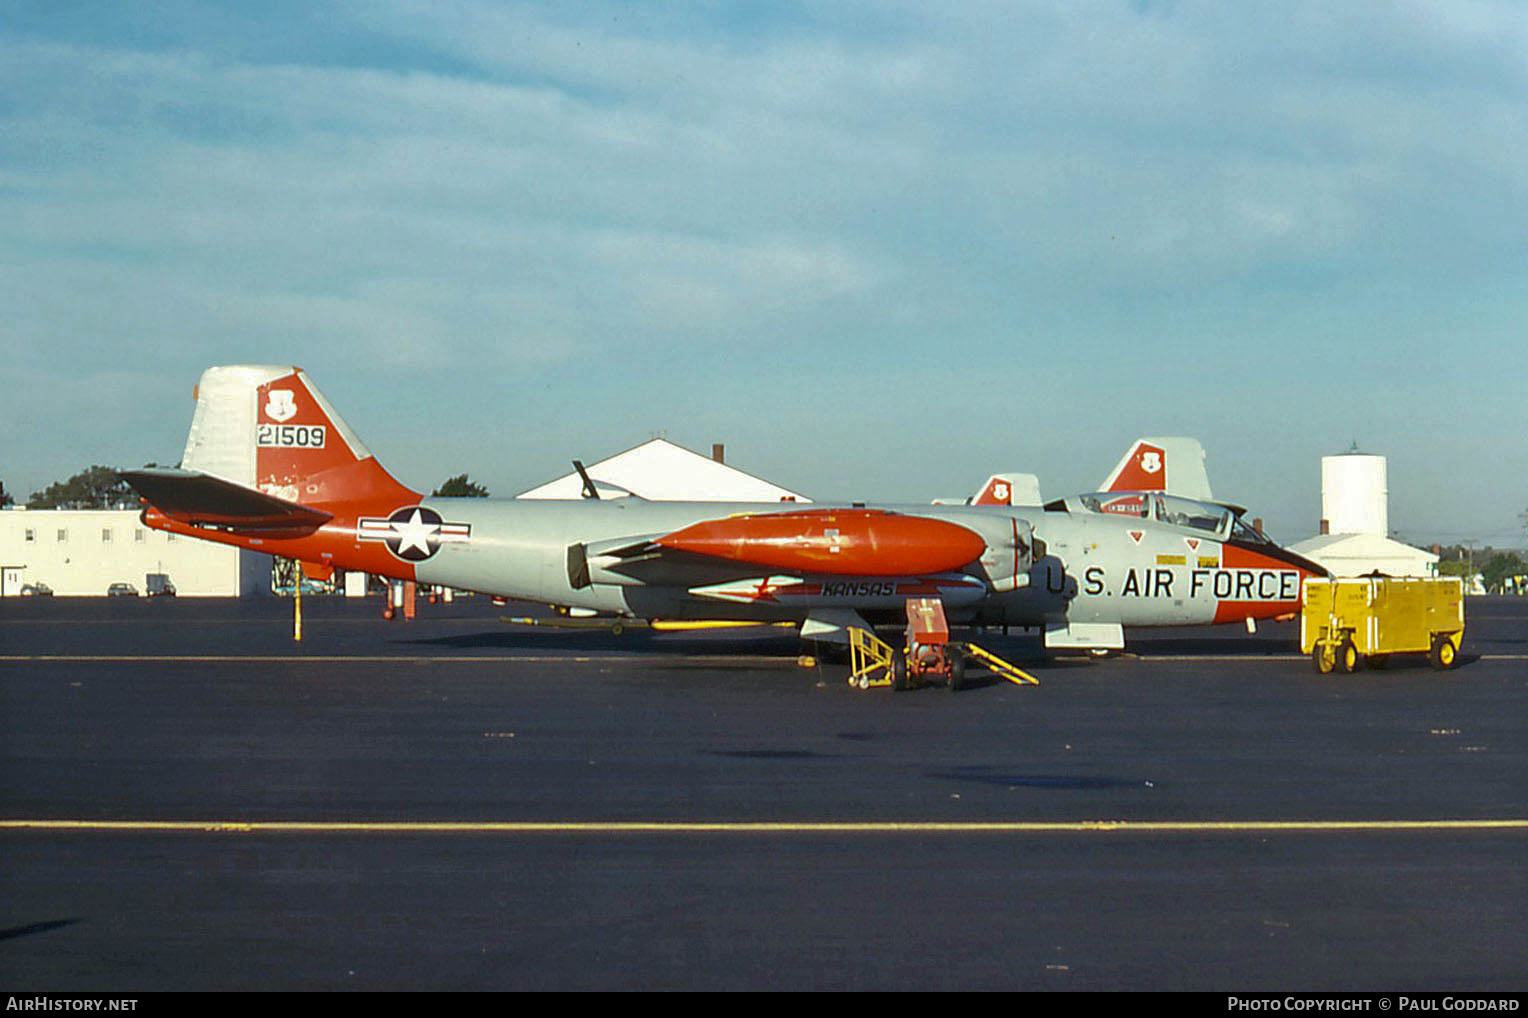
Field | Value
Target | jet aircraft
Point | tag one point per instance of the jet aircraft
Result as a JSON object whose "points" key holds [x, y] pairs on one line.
{"points": [[271, 466]]}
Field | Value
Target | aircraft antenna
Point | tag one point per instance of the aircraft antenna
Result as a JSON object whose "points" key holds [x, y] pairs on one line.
{"points": [[590, 491]]}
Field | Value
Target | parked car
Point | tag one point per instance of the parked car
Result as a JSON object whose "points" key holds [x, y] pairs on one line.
{"points": [[36, 590], [121, 590]]}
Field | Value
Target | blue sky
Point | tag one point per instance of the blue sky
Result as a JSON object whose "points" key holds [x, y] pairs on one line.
{"points": [[880, 250]]}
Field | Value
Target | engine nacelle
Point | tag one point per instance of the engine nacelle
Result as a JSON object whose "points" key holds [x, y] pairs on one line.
{"points": [[1009, 552]]}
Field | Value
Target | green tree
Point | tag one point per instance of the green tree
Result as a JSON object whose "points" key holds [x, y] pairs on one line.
{"points": [[460, 487], [1498, 568], [97, 487], [1460, 560]]}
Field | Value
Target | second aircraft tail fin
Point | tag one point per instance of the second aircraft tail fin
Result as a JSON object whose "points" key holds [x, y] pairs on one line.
{"points": [[1174, 465]]}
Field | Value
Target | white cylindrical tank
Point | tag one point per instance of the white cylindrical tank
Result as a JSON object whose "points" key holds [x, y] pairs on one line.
{"points": [[1354, 496]]}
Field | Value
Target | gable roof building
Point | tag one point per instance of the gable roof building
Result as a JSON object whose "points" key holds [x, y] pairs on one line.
{"points": [[661, 471]]}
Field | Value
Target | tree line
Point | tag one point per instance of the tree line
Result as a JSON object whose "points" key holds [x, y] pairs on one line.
{"points": [[1496, 568]]}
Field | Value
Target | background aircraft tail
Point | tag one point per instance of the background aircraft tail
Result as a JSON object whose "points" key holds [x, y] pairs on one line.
{"points": [[1009, 489], [1174, 465]]}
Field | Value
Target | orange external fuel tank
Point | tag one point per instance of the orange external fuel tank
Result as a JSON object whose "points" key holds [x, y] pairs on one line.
{"points": [[849, 542]]}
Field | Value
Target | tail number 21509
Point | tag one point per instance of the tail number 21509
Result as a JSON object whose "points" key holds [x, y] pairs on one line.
{"points": [[290, 436]]}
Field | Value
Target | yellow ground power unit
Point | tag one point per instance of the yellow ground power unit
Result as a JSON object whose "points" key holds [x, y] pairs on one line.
{"points": [[1345, 623]]}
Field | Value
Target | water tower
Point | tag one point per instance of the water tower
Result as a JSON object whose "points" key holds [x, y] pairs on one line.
{"points": [[1354, 496]]}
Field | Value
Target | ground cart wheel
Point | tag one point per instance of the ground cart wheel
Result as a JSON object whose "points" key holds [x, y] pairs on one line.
{"points": [[1323, 658], [1443, 654], [1348, 658], [957, 670], [898, 672]]}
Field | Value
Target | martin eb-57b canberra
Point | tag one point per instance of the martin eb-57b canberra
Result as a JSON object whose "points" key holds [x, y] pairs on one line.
{"points": [[270, 466]]}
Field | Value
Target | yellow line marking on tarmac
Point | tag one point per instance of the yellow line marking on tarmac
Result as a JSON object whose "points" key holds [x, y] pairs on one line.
{"points": [[758, 827], [1291, 656], [375, 659]]}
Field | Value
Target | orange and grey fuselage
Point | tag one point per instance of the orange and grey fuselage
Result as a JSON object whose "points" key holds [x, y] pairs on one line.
{"points": [[270, 466]]}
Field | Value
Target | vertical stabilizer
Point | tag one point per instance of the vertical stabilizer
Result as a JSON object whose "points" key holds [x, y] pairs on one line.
{"points": [[1009, 489], [269, 428], [1173, 465]]}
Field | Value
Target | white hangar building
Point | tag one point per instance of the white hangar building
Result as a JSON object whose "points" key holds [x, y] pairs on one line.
{"points": [[1355, 522], [81, 552], [661, 471]]}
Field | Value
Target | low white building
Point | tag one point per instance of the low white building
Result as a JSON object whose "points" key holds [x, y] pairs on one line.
{"points": [[81, 552], [1363, 554]]}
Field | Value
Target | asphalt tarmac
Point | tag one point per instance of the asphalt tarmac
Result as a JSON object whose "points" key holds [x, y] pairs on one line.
{"points": [[457, 804]]}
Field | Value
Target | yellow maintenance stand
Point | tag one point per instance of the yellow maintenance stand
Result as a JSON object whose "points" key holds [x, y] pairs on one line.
{"points": [[1347, 622], [930, 654]]}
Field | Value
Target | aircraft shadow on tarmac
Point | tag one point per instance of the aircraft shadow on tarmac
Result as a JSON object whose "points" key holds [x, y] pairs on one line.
{"points": [[631, 642], [772, 754], [1026, 650], [1061, 782], [1235, 645], [1022, 649], [970, 773], [32, 929], [714, 645]]}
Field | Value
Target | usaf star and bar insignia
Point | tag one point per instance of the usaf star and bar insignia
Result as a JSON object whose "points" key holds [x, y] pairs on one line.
{"points": [[412, 533]]}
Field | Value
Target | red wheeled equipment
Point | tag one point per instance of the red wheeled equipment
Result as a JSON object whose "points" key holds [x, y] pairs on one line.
{"points": [[930, 655]]}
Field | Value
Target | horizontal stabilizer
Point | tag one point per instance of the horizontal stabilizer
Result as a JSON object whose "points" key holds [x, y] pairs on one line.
{"points": [[200, 499]]}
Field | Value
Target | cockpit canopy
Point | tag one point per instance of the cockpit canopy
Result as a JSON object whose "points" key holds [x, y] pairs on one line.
{"points": [[1219, 521]]}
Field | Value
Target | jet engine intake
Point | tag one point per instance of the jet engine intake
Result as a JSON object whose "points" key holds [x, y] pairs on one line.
{"points": [[1009, 552]]}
